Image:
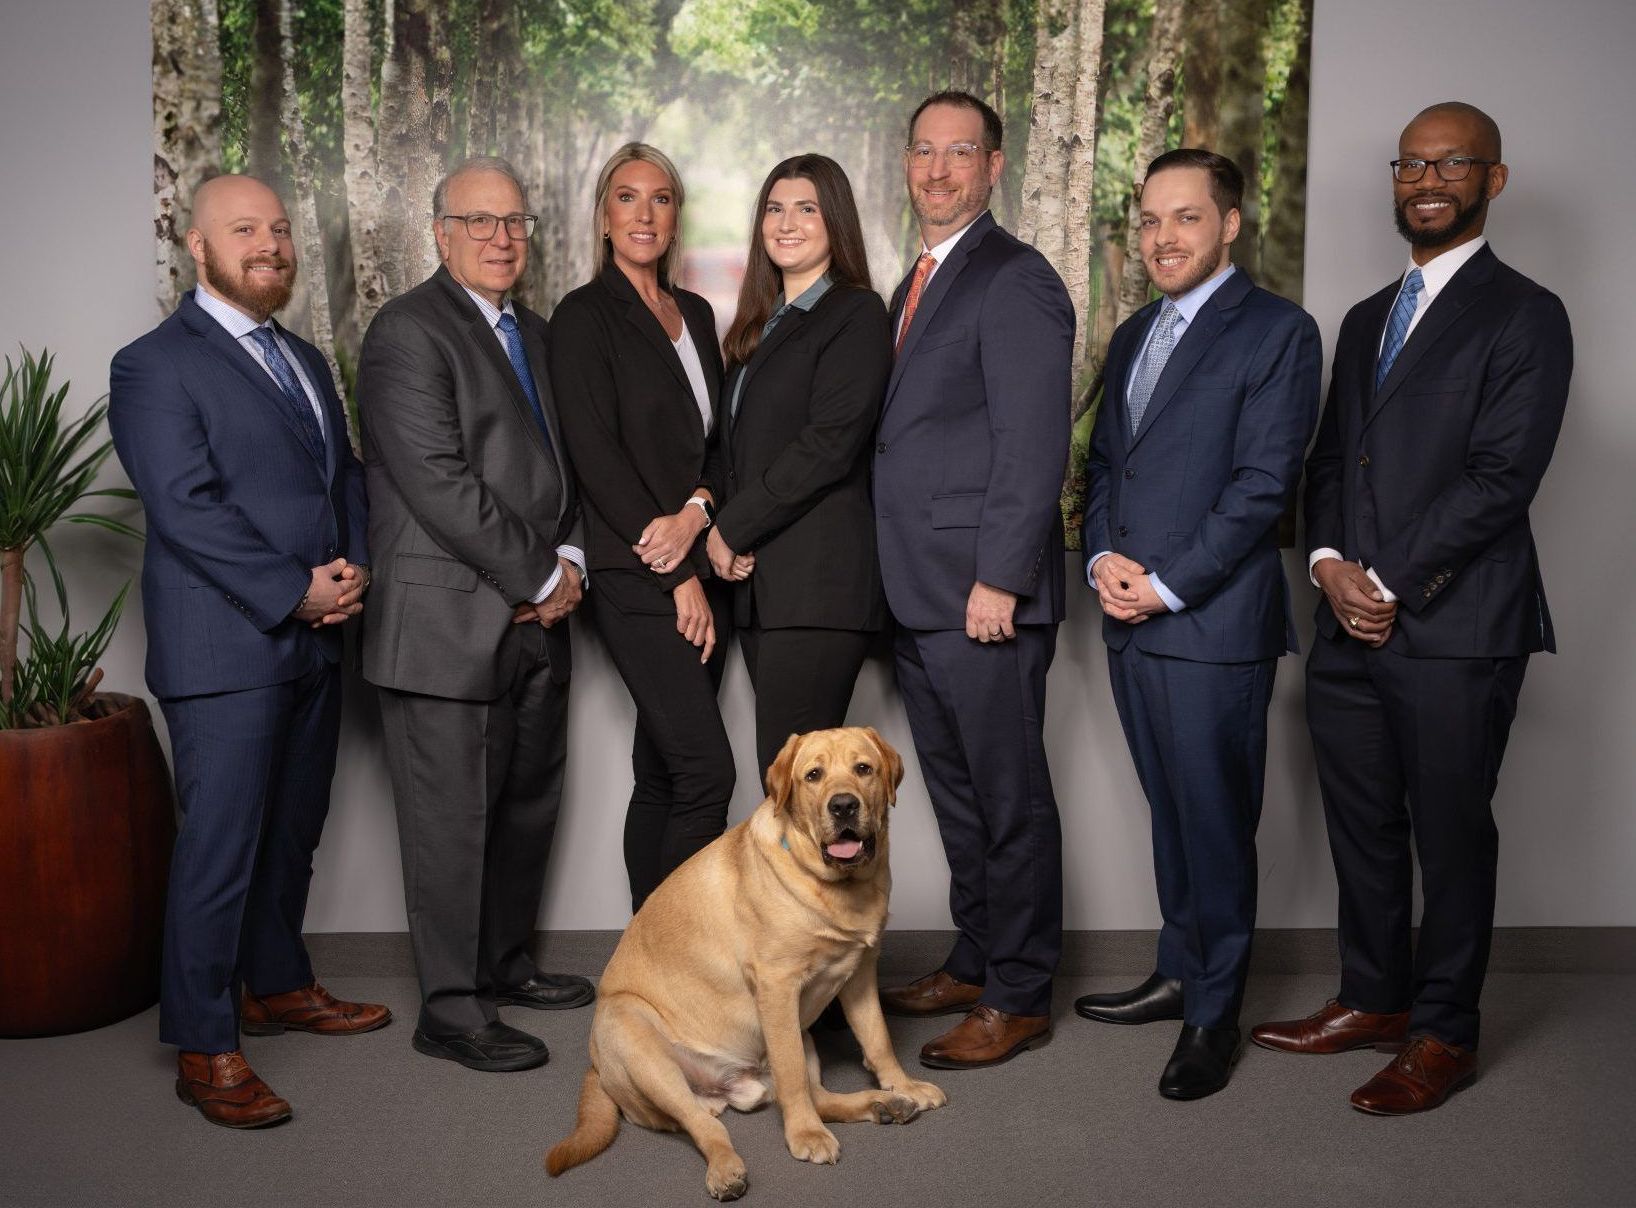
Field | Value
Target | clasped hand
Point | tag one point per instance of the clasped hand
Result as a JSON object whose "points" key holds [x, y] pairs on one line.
{"points": [[1125, 590], [336, 593], [667, 539], [564, 598], [1364, 613], [724, 561]]}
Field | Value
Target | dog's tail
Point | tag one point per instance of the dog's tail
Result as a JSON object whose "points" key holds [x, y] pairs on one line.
{"points": [[595, 1130]]}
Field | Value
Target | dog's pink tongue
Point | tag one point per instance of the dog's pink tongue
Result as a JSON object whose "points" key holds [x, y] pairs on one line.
{"points": [[844, 849]]}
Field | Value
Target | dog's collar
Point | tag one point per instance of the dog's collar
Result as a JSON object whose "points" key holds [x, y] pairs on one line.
{"points": [[784, 840]]}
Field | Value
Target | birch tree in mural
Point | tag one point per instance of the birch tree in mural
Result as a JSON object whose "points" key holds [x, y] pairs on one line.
{"points": [[187, 101]]}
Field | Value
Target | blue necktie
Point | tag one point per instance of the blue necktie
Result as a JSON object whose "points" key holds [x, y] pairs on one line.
{"points": [[290, 387], [1397, 326], [519, 365], [1152, 364]]}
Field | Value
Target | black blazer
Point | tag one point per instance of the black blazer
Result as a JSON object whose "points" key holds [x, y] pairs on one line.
{"points": [[1429, 480], [796, 461], [633, 429]]}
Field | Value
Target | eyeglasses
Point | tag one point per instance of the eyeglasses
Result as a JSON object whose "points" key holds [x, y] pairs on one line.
{"points": [[957, 155], [1449, 168], [482, 227]]}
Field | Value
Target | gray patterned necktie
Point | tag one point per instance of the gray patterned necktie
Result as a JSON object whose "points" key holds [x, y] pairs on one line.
{"points": [[1152, 364]]}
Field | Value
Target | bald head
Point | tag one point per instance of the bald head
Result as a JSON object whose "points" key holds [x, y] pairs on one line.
{"points": [[241, 245], [1483, 131]]}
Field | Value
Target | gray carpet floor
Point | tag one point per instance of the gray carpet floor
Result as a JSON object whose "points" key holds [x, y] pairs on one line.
{"points": [[91, 1120]]}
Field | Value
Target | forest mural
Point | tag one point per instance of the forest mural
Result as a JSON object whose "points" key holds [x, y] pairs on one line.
{"points": [[353, 108]]}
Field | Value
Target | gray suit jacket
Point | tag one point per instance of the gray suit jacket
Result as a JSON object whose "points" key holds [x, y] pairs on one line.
{"points": [[468, 500]]}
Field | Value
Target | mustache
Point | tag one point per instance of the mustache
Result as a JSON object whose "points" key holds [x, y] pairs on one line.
{"points": [[278, 262]]}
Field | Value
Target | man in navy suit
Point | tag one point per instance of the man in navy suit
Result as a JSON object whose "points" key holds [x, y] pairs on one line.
{"points": [[231, 432], [1211, 396], [1444, 406], [968, 469]]}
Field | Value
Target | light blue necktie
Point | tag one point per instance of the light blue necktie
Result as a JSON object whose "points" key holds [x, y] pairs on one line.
{"points": [[290, 387], [1397, 326], [1158, 352], [519, 365]]}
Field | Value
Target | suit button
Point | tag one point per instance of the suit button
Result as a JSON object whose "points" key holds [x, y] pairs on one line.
{"points": [[881, 447], [1129, 473], [1123, 531], [1364, 460]]}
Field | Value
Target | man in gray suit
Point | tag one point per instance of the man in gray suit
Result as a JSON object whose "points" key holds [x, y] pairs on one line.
{"points": [[473, 526]]}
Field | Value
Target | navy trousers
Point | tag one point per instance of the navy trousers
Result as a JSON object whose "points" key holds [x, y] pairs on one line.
{"points": [[1198, 735], [976, 711], [253, 773]]}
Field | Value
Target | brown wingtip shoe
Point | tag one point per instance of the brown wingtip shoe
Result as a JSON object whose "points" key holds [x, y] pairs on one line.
{"points": [[1333, 1028], [935, 994], [309, 1009], [227, 1091], [985, 1037], [1418, 1079]]}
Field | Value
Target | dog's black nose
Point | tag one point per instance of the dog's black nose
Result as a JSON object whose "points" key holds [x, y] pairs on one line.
{"points": [[843, 806]]}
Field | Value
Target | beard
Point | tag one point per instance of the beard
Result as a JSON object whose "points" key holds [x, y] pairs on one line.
{"points": [[1461, 219], [259, 298], [1204, 266], [968, 203]]}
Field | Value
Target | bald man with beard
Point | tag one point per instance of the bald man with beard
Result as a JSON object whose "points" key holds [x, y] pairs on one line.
{"points": [[231, 431]]}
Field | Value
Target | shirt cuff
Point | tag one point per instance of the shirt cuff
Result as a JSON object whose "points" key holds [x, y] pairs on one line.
{"points": [[1090, 569], [575, 555], [1389, 595], [1317, 556], [1172, 601]]}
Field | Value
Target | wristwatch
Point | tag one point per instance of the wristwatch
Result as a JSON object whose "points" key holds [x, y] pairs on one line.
{"points": [[706, 507]]}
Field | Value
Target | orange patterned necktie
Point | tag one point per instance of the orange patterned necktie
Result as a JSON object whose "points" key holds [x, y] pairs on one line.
{"points": [[923, 269]]}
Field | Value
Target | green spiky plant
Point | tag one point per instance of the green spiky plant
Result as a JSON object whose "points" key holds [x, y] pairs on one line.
{"points": [[47, 467]]}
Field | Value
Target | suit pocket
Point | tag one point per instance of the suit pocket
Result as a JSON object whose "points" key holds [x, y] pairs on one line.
{"points": [[957, 511], [428, 570], [941, 339]]}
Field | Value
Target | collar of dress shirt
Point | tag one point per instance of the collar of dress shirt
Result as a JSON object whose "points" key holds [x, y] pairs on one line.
{"points": [[941, 252], [491, 312], [1436, 272], [807, 298], [1190, 303], [237, 323]]}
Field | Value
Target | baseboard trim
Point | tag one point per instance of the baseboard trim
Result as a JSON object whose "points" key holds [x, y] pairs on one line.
{"points": [[1591, 950]]}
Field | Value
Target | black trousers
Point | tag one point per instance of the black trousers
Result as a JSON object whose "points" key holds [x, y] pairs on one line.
{"points": [[1412, 747], [477, 786], [976, 711], [803, 680], [681, 761]]}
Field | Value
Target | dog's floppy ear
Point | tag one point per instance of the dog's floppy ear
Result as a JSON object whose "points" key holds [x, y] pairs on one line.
{"points": [[891, 763], [781, 775]]}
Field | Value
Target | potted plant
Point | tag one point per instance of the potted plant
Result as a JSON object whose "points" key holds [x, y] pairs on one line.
{"points": [[86, 813]]}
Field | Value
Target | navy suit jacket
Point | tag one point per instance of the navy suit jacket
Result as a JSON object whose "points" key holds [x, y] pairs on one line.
{"points": [[973, 439], [1196, 495], [238, 510], [1428, 480]]}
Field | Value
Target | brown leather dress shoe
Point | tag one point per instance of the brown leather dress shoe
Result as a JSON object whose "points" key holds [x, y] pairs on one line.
{"points": [[985, 1037], [309, 1009], [1419, 1079], [935, 994], [226, 1091], [1332, 1028]]}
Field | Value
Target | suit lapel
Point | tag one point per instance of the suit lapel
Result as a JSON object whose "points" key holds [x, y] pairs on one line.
{"points": [[937, 289], [534, 349], [319, 375], [787, 326], [1464, 288], [231, 351], [1201, 333]]}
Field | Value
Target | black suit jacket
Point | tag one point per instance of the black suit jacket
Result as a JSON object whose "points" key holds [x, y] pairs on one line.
{"points": [[796, 458], [1428, 480], [634, 431], [468, 500]]}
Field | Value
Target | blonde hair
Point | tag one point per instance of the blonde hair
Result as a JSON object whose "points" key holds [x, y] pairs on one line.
{"points": [[636, 153]]}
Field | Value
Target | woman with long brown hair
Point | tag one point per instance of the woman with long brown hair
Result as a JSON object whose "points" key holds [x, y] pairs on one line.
{"points": [[636, 369], [809, 353]]}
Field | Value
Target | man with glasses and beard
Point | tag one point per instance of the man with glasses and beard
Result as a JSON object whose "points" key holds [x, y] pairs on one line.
{"points": [[1447, 395], [231, 432]]}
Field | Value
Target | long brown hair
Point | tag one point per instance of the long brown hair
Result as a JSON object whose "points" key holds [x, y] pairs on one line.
{"points": [[848, 262]]}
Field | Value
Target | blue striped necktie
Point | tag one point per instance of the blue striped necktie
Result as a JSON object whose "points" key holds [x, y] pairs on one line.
{"points": [[290, 387], [1397, 326], [519, 365]]}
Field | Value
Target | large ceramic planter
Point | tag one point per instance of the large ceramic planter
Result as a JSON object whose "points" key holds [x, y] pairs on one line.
{"points": [[86, 826]]}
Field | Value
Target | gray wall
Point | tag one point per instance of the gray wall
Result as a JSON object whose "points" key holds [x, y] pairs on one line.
{"points": [[75, 200]]}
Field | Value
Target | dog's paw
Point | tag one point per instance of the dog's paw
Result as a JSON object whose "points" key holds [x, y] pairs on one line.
{"points": [[726, 1178], [926, 1095], [813, 1143], [893, 1108]]}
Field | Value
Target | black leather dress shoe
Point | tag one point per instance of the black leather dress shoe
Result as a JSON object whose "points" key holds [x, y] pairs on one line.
{"points": [[547, 992], [1156, 998], [495, 1047], [1201, 1062]]}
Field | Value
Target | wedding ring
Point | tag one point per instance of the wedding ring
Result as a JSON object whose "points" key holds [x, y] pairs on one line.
{"points": [[1352, 621], [660, 563], [995, 633]]}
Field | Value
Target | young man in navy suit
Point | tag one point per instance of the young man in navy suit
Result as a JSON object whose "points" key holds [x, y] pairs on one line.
{"points": [[1211, 396], [1444, 406], [232, 434]]}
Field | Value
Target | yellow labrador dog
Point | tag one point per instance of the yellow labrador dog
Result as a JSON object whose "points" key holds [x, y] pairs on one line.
{"points": [[736, 953]]}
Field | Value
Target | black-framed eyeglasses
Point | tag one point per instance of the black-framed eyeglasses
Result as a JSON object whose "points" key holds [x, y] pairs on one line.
{"points": [[482, 227], [1450, 168]]}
